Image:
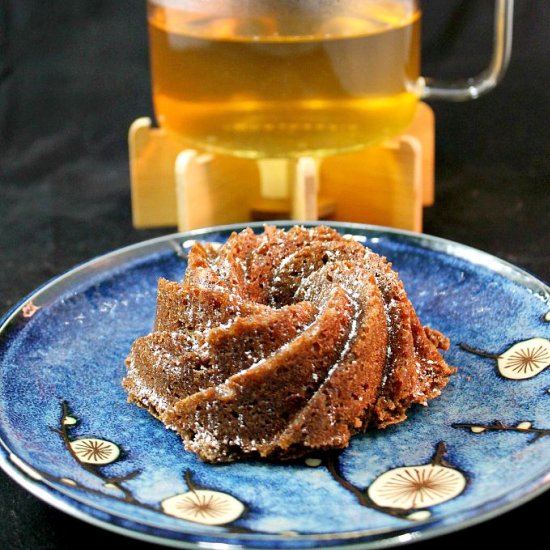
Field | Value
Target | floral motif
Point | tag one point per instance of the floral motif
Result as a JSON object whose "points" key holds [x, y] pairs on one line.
{"points": [[200, 505], [525, 359], [421, 515], [204, 506], [29, 309], [94, 451], [524, 426], [521, 361], [92, 454], [414, 487], [405, 492], [477, 429], [68, 481]]}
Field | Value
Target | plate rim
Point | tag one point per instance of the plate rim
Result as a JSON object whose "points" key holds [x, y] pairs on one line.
{"points": [[430, 528]]}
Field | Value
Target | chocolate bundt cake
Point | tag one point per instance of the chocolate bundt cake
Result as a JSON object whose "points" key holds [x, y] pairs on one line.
{"points": [[278, 344]]}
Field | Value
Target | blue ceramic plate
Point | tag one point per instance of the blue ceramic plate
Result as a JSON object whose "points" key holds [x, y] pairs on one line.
{"points": [[69, 436]]}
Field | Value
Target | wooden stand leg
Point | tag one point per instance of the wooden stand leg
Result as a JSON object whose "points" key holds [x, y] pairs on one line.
{"points": [[274, 176], [301, 201], [380, 185], [191, 177], [213, 189], [306, 185], [152, 156]]}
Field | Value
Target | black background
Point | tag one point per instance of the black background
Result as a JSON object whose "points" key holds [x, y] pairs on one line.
{"points": [[74, 75]]}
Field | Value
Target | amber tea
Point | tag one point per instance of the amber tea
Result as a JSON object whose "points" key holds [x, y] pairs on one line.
{"points": [[284, 86]]}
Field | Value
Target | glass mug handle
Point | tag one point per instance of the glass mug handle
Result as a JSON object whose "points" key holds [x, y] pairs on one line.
{"points": [[472, 88]]}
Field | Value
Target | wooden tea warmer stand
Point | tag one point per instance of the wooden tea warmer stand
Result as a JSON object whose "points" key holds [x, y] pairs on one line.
{"points": [[174, 185]]}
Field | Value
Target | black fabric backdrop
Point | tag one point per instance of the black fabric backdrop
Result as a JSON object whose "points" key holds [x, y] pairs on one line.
{"points": [[74, 75]]}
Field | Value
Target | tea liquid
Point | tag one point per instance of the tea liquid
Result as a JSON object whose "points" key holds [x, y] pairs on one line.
{"points": [[273, 87]]}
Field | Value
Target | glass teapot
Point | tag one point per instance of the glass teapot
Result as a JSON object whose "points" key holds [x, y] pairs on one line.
{"points": [[293, 78]]}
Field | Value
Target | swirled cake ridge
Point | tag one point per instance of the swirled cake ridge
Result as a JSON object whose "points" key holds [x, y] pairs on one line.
{"points": [[281, 343]]}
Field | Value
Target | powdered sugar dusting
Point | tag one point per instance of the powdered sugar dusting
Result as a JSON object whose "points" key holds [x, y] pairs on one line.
{"points": [[249, 278]]}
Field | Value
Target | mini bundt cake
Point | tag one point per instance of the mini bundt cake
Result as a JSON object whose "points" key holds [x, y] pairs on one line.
{"points": [[282, 343]]}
